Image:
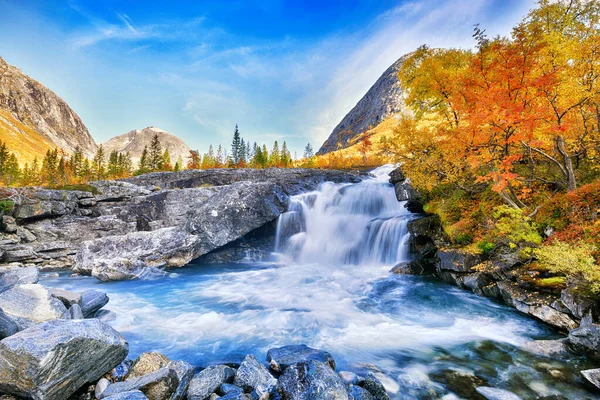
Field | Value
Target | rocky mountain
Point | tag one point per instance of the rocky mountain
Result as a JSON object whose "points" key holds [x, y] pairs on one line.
{"points": [[134, 142], [33, 118], [383, 99]]}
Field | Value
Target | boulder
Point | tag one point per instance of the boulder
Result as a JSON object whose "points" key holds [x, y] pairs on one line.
{"points": [[101, 387], [578, 304], [457, 260], [147, 363], [463, 383], [548, 348], [252, 375], [30, 304], [7, 281], [474, 282], [496, 394], [238, 396], [50, 361], [185, 373], [585, 340], [92, 301], [131, 395], [208, 381], [396, 176], [67, 297], [592, 376], [228, 388], [311, 380], [374, 386], [8, 327], [281, 358], [75, 312], [359, 393], [158, 385], [22, 276]]}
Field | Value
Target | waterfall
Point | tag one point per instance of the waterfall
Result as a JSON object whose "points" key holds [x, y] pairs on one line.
{"points": [[359, 223]]}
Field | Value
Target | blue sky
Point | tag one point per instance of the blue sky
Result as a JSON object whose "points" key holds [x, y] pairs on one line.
{"points": [[285, 70]]}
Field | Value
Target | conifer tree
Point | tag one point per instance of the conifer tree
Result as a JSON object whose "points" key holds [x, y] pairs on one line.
{"points": [[166, 161], [99, 164], [236, 144], [308, 151], [275, 158], [285, 155], [143, 164], [155, 157], [220, 160]]}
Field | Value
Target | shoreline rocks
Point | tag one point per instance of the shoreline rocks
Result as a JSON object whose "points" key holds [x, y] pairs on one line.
{"points": [[133, 227]]}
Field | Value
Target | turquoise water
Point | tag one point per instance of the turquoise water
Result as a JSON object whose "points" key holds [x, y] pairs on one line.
{"points": [[330, 288]]}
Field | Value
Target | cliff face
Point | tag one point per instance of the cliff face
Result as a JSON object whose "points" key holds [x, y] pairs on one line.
{"points": [[134, 142], [28, 108], [383, 99]]}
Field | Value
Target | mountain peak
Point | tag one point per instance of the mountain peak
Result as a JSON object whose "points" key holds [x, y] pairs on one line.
{"points": [[383, 99]]}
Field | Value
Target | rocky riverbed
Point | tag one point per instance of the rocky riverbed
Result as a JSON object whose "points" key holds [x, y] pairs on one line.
{"points": [[59, 344]]}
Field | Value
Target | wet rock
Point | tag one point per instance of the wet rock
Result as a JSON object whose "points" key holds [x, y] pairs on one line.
{"points": [[496, 394], [374, 386], [158, 385], [457, 260], [75, 312], [208, 381], [414, 267], [185, 373], [147, 363], [585, 340], [101, 387], [358, 393], [51, 361], [92, 301], [7, 281], [396, 176], [104, 315], [238, 396], [228, 388], [22, 276], [67, 297], [131, 395], [592, 376], [578, 304], [348, 377], [252, 375], [462, 383], [548, 348], [120, 371], [30, 304], [311, 380], [281, 358], [8, 327], [475, 282]]}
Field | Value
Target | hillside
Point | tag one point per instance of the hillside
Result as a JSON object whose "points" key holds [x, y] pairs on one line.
{"points": [[134, 142], [31, 112], [383, 99]]}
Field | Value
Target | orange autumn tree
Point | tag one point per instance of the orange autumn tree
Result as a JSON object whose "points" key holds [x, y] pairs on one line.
{"points": [[517, 113]]}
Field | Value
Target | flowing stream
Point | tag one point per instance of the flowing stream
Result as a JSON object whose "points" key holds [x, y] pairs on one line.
{"points": [[329, 286]]}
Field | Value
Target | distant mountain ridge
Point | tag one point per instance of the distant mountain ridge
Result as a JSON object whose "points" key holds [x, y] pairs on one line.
{"points": [[34, 119], [134, 142], [382, 100]]}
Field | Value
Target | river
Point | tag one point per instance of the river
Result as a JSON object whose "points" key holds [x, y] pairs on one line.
{"points": [[328, 285]]}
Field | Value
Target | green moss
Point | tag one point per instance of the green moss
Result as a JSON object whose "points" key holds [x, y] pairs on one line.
{"points": [[6, 205], [556, 282]]}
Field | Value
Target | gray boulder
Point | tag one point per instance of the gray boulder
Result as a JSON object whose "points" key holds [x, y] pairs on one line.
{"points": [[67, 297], [252, 375], [207, 381], [159, 385], [281, 358], [311, 380], [547, 348], [8, 327], [92, 301], [374, 386], [228, 388], [31, 304], [131, 395], [585, 340], [358, 393], [51, 361], [24, 275], [185, 373], [75, 312], [496, 394], [592, 376], [457, 260]]}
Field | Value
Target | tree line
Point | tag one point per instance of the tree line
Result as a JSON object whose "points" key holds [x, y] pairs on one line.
{"points": [[58, 169]]}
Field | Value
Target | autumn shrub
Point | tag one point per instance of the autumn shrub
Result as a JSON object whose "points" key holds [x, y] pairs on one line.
{"points": [[574, 261], [513, 224]]}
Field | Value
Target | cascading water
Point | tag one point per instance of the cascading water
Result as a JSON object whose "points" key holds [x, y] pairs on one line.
{"points": [[332, 289], [347, 224]]}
